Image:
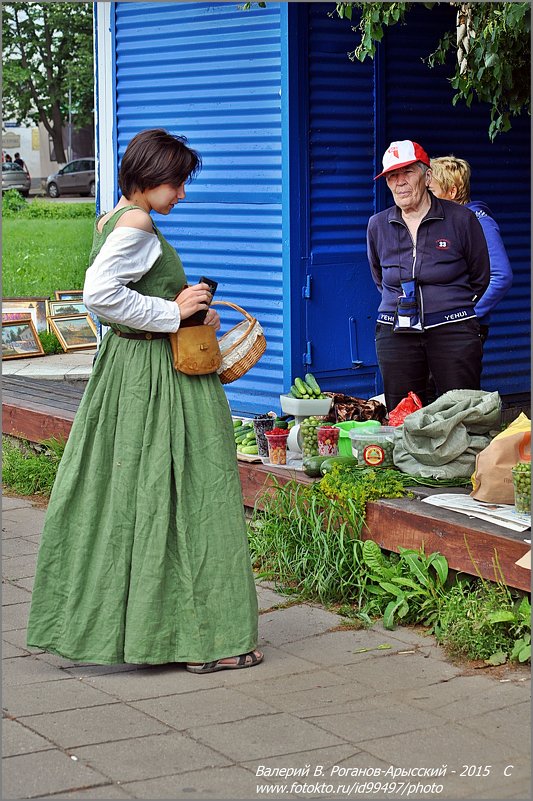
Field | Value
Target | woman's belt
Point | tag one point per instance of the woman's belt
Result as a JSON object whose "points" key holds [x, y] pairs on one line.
{"points": [[145, 335]]}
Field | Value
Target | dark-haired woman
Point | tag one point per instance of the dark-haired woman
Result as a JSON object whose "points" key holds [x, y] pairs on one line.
{"points": [[144, 555]]}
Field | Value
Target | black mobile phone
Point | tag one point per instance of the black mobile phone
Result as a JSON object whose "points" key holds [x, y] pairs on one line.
{"points": [[198, 317]]}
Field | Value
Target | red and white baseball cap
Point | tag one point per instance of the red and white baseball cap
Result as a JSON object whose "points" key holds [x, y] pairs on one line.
{"points": [[400, 154]]}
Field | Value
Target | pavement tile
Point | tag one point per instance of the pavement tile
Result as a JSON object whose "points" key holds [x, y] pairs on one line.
{"points": [[279, 690], [450, 744], [102, 791], [150, 682], [18, 567], [18, 739], [51, 696], [18, 546], [28, 670], [15, 616], [263, 736], [504, 724], [327, 758], [26, 583], [371, 720], [203, 708], [23, 522], [9, 651], [295, 623], [478, 693], [14, 503], [267, 598], [231, 782], [101, 724], [31, 775], [149, 757], [338, 649], [396, 671], [11, 594]]}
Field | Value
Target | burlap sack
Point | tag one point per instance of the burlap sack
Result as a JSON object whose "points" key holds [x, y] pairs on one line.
{"points": [[492, 479]]}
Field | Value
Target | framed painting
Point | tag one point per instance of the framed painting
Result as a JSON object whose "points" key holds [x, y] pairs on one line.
{"points": [[63, 308], [74, 331], [20, 339], [69, 294], [18, 308]]}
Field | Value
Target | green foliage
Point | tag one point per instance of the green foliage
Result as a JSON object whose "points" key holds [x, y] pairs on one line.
{"points": [[50, 342], [491, 46], [43, 255], [47, 48], [13, 203], [28, 473], [308, 538], [482, 620]]}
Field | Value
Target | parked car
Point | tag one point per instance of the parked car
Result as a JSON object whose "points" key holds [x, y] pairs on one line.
{"points": [[75, 178], [14, 177]]}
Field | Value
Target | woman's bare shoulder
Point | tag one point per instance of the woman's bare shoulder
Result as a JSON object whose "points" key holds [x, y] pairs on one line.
{"points": [[133, 218]]}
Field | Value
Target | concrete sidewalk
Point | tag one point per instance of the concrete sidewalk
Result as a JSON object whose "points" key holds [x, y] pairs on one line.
{"points": [[331, 713], [70, 366]]}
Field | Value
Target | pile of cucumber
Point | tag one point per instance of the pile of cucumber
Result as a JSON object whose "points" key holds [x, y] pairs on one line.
{"points": [[306, 388], [244, 436]]}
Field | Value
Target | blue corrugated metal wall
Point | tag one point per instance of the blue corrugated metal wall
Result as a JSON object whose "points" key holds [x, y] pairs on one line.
{"points": [[212, 73], [342, 297], [416, 104]]}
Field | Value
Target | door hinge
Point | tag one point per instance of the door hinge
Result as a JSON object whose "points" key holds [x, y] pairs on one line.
{"points": [[306, 358], [306, 289]]}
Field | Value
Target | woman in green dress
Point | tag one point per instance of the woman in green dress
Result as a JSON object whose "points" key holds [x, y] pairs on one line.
{"points": [[144, 555]]}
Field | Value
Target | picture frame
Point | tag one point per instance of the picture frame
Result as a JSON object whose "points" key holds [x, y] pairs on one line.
{"points": [[14, 309], [74, 331], [69, 294], [64, 308], [20, 339]]}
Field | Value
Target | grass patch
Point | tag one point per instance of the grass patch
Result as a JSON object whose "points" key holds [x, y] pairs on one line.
{"points": [[42, 255], [308, 540], [27, 472]]}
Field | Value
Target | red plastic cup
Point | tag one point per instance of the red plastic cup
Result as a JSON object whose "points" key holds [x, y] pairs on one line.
{"points": [[277, 445], [328, 440]]}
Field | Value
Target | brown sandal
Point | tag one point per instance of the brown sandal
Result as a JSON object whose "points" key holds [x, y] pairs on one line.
{"points": [[243, 661]]}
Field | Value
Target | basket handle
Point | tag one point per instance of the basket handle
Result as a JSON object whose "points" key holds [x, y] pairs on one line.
{"points": [[251, 320]]}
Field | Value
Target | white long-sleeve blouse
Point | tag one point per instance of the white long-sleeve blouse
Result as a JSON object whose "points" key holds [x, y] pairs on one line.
{"points": [[127, 255]]}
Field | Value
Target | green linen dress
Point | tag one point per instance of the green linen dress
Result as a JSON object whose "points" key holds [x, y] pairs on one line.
{"points": [[144, 555]]}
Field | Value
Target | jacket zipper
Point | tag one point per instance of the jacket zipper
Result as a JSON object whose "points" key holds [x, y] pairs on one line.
{"points": [[420, 295]]}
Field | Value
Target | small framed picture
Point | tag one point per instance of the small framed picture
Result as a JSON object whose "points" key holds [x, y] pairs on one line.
{"points": [[19, 308], [69, 294], [74, 331], [62, 308], [20, 339]]}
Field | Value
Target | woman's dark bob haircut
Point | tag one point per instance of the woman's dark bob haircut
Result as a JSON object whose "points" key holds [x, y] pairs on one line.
{"points": [[156, 157]]}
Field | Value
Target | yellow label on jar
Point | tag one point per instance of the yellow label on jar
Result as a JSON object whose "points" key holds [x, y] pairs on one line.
{"points": [[374, 455]]}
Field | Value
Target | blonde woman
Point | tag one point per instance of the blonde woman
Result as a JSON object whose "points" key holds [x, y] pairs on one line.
{"points": [[450, 180]]}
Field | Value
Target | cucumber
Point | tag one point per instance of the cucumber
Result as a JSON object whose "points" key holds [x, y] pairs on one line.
{"points": [[252, 449], [294, 392], [313, 464], [301, 386], [329, 463], [312, 383], [237, 423]]}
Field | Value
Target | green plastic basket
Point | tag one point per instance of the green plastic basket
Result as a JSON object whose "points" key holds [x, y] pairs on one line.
{"points": [[345, 443]]}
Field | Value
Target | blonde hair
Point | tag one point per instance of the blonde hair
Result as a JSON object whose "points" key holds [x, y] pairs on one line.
{"points": [[449, 171]]}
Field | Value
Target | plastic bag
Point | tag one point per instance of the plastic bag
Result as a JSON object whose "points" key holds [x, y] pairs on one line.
{"points": [[406, 406], [492, 479]]}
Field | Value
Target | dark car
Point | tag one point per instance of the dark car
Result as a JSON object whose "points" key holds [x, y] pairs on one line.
{"points": [[75, 178], [14, 177]]}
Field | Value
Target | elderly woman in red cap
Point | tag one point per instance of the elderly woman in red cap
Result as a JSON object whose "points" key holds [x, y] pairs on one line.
{"points": [[429, 261]]}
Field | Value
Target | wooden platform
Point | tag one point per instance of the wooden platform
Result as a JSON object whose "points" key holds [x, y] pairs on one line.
{"points": [[36, 410]]}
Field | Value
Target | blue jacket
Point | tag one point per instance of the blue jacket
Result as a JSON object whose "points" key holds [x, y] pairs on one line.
{"points": [[450, 261], [501, 274]]}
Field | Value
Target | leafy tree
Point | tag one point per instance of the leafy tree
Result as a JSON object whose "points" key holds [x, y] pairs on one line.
{"points": [[48, 48], [492, 45]]}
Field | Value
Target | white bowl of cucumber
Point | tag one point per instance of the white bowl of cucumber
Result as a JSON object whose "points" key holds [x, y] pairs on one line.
{"points": [[304, 407]]}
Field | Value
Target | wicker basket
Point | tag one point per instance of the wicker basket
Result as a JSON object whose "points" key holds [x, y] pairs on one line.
{"points": [[241, 347]]}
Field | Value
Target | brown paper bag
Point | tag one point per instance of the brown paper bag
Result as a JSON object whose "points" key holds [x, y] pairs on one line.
{"points": [[492, 479]]}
